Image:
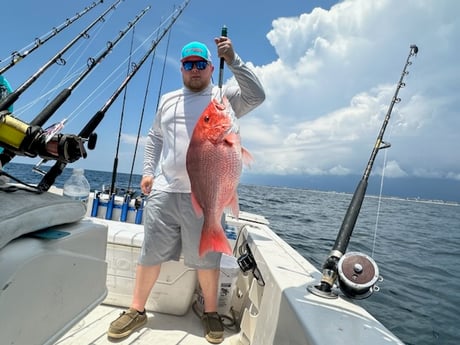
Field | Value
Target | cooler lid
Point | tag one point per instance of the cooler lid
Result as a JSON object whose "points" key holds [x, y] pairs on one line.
{"points": [[122, 233]]}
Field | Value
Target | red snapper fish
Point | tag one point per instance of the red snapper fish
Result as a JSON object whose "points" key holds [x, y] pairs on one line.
{"points": [[214, 163]]}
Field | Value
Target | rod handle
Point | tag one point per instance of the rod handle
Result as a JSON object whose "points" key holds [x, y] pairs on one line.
{"points": [[221, 67]]}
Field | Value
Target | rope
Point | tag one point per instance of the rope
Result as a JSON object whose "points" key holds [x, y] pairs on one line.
{"points": [[229, 322]]}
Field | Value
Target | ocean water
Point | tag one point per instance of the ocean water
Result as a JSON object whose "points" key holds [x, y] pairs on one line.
{"points": [[416, 245]]}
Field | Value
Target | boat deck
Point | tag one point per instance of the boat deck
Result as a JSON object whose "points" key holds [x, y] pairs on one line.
{"points": [[160, 329], [272, 303]]}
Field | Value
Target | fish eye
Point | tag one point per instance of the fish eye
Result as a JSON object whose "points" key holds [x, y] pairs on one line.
{"points": [[206, 118]]}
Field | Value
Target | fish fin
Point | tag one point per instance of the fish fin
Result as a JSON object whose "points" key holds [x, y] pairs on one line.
{"points": [[214, 240], [233, 206], [247, 157], [196, 206], [231, 138]]}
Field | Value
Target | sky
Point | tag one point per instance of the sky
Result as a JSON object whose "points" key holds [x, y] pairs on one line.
{"points": [[329, 69]]}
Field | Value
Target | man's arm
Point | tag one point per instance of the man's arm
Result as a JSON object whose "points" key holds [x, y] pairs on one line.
{"points": [[250, 92]]}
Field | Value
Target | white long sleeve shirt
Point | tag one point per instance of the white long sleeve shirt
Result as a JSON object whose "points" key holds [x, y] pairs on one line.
{"points": [[178, 111]]}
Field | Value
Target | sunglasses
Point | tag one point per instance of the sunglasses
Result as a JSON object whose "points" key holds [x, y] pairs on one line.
{"points": [[200, 65]]}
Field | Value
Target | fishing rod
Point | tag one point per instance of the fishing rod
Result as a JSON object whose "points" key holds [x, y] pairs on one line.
{"points": [[357, 273], [59, 100], [12, 97], [75, 150], [17, 56], [221, 64], [139, 128], [115, 161], [138, 201], [51, 108]]}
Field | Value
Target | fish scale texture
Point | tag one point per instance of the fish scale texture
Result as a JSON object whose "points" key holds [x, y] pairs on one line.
{"points": [[214, 165]]}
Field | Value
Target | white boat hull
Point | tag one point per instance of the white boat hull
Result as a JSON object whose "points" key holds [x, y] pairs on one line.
{"points": [[281, 312], [53, 286], [48, 284]]}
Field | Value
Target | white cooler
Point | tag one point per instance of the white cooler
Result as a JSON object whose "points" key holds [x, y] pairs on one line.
{"points": [[172, 293]]}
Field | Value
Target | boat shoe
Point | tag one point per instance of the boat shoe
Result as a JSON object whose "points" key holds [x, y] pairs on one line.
{"points": [[213, 327], [127, 323]]}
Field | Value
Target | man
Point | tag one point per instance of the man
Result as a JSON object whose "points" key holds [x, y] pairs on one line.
{"points": [[171, 226]]}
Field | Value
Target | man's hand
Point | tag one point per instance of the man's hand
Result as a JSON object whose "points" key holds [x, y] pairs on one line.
{"points": [[225, 49], [146, 184]]}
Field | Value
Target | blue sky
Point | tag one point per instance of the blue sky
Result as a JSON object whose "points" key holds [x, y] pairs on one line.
{"points": [[329, 69]]}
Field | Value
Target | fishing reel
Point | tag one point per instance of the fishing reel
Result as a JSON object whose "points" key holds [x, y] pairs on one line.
{"points": [[66, 148], [20, 138], [357, 275]]}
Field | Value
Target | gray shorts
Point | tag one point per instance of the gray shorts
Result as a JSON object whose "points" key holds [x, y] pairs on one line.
{"points": [[171, 228]]}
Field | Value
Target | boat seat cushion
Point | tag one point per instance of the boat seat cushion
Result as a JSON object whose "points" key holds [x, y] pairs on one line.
{"points": [[22, 212]]}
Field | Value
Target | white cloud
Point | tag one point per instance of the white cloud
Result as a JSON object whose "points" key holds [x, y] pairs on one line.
{"points": [[132, 139], [332, 84]]}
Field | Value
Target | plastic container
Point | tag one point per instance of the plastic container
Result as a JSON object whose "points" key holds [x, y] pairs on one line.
{"points": [[174, 289], [77, 186], [229, 270]]}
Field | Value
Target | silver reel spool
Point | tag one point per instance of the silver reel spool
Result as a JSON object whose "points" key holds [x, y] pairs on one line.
{"points": [[357, 275]]}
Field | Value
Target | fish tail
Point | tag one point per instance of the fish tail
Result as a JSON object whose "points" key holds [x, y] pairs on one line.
{"points": [[214, 240]]}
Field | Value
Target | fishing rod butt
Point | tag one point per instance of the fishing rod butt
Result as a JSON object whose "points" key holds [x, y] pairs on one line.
{"points": [[223, 33], [329, 277]]}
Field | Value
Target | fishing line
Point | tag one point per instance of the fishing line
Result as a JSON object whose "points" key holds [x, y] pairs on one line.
{"points": [[113, 76], [125, 91], [82, 48], [92, 63], [338, 258], [50, 92], [21, 110], [87, 132], [140, 124], [20, 54], [141, 120], [12, 97], [163, 70], [46, 91], [380, 196], [379, 199]]}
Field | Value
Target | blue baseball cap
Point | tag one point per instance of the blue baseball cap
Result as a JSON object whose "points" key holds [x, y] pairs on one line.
{"points": [[196, 49]]}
